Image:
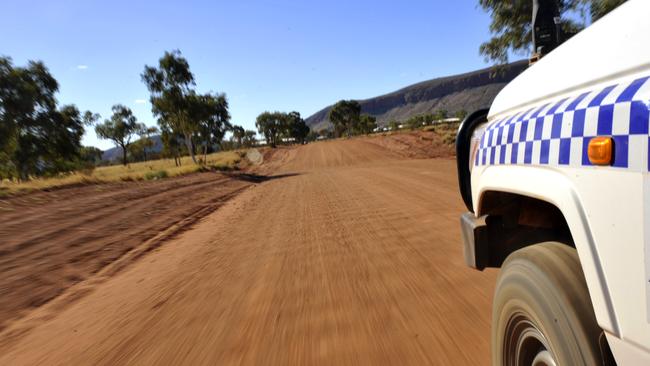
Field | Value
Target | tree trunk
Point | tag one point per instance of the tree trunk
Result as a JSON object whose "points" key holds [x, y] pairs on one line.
{"points": [[124, 155], [144, 153], [23, 175], [190, 147]]}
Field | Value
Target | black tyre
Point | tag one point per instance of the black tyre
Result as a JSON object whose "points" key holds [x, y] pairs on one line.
{"points": [[542, 313]]}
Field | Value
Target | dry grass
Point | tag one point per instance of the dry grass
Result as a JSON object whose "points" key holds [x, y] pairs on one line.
{"points": [[446, 131], [154, 169]]}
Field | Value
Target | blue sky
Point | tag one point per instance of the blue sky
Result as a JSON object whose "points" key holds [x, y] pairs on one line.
{"points": [[264, 54]]}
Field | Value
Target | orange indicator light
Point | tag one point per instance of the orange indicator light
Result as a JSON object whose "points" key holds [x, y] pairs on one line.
{"points": [[600, 150]]}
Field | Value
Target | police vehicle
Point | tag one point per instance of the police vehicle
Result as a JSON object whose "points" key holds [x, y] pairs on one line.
{"points": [[556, 180]]}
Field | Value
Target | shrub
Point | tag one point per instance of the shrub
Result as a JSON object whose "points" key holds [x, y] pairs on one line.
{"points": [[159, 174], [449, 138]]}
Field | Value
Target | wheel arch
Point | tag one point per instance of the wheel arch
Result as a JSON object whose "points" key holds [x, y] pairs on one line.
{"points": [[552, 190]]}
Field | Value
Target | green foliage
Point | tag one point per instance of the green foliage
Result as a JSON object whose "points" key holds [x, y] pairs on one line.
{"points": [[36, 137], [145, 142], [271, 125], [277, 125], [449, 139], [238, 133], [171, 85], [600, 8], [296, 127], [90, 118], [367, 124], [172, 144], [209, 113], [345, 116], [159, 174], [249, 138], [90, 155], [511, 27], [182, 111], [511, 23], [414, 122], [120, 129], [347, 119], [325, 133], [440, 114], [312, 136], [420, 120], [242, 138]]}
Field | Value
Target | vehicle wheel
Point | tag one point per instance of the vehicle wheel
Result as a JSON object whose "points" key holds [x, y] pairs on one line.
{"points": [[542, 312]]}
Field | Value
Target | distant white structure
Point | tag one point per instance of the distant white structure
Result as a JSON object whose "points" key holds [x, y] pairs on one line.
{"points": [[448, 120]]}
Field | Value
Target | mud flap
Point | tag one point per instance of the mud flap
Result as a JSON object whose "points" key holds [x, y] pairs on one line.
{"points": [[475, 240]]}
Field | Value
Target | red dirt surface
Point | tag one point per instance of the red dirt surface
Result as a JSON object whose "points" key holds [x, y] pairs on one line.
{"points": [[350, 256], [417, 144], [51, 240]]}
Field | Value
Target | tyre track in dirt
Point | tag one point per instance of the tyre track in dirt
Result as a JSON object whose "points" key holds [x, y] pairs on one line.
{"points": [[63, 226], [71, 234], [351, 256]]}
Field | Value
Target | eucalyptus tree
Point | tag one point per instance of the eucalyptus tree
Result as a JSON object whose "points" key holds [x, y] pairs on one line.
{"points": [[146, 141], [120, 129], [296, 127], [367, 124], [36, 136], [511, 23], [172, 144], [345, 115], [209, 113], [249, 138], [171, 86], [271, 125], [238, 134]]}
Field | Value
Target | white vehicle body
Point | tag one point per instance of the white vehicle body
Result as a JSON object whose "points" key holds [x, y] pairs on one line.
{"points": [[600, 77]]}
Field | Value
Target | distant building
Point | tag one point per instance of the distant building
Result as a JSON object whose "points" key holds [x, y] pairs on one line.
{"points": [[449, 120]]}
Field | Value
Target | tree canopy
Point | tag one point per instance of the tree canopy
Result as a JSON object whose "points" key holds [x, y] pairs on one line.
{"points": [[511, 23], [145, 140], [241, 137], [345, 115], [171, 84], [271, 125], [36, 137], [180, 109], [347, 119], [275, 126], [296, 127], [120, 129], [367, 124], [209, 114]]}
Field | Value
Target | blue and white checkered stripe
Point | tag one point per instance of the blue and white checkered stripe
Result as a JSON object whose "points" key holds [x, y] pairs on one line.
{"points": [[558, 133]]}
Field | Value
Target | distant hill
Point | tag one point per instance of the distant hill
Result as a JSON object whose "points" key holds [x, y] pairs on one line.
{"points": [[469, 91], [115, 153]]}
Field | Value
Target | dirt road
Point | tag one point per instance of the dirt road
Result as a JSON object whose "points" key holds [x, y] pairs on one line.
{"points": [[50, 241], [351, 255]]}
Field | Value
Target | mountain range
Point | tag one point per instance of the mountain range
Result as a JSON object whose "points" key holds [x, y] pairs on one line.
{"points": [[469, 91]]}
